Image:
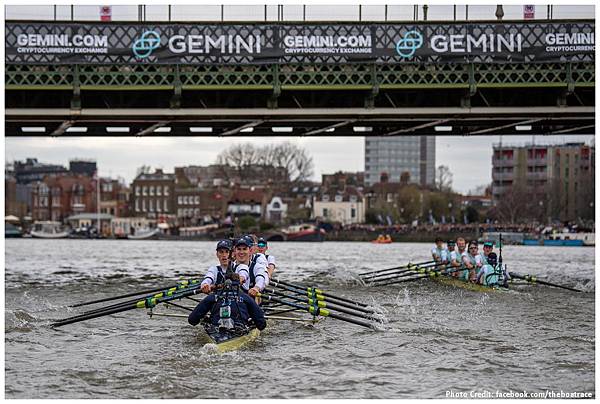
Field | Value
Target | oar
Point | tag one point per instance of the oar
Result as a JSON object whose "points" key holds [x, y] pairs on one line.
{"points": [[163, 292], [314, 295], [371, 278], [534, 279], [318, 311], [179, 285], [394, 268], [321, 304], [409, 272], [320, 292], [141, 304]]}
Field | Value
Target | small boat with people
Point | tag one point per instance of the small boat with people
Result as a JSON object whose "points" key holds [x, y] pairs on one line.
{"points": [[383, 239]]}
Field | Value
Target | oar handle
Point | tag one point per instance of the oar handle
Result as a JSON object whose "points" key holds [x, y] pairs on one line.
{"points": [[394, 268]]}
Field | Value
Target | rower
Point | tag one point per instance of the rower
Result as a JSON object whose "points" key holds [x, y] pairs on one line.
{"points": [[262, 249], [229, 309], [450, 244], [488, 247], [252, 269], [438, 252], [216, 273], [489, 274], [472, 260], [456, 255]]}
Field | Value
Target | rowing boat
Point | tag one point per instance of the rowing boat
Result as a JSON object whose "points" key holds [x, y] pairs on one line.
{"points": [[475, 287], [227, 342]]}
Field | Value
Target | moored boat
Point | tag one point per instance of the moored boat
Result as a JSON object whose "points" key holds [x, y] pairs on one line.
{"points": [[144, 234], [304, 232], [49, 230], [12, 231]]}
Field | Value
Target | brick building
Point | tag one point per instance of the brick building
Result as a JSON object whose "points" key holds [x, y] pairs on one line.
{"points": [[560, 178], [58, 197], [153, 194]]}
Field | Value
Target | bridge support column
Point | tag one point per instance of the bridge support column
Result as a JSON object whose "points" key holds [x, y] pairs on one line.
{"points": [[272, 101], [465, 101], [562, 98], [175, 102], [76, 99], [370, 99]]}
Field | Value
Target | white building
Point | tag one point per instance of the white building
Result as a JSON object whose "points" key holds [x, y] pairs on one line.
{"points": [[276, 210], [346, 208]]}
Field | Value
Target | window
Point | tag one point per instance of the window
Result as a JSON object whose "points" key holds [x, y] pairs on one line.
{"points": [[151, 205], [158, 190], [151, 190], [180, 200], [352, 198], [166, 189], [325, 198], [137, 190], [143, 205], [158, 205], [276, 205], [137, 205], [338, 198], [197, 200], [353, 213], [166, 205], [144, 190], [325, 213]]}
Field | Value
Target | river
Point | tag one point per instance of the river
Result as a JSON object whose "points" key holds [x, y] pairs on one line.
{"points": [[437, 341]]}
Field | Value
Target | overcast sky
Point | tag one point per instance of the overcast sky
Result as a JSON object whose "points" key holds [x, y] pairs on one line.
{"points": [[469, 158]]}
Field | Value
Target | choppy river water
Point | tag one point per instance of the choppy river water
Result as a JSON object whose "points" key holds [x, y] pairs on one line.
{"points": [[438, 340]]}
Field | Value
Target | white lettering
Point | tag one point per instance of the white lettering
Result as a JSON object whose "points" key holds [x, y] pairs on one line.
{"points": [[177, 44], [438, 43]]}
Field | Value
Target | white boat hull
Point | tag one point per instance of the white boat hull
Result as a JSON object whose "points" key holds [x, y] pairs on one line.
{"points": [[42, 234]]}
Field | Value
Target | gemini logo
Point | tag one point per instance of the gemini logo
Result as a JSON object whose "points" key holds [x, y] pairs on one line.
{"points": [[408, 45], [146, 44]]}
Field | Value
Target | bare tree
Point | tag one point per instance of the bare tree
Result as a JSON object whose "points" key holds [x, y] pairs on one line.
{"points": [[294, 159], [513, 205], [142, 170], [443, 179], [239, 155]]}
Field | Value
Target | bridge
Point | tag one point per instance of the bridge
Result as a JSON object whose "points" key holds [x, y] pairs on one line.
{"points": [[382, 94]]}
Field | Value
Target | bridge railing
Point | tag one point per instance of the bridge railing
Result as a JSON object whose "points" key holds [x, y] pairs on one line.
{"points": [[406, 12]]}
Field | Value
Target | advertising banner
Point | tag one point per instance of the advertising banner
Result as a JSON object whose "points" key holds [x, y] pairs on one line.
{"points": [[133, 43]]}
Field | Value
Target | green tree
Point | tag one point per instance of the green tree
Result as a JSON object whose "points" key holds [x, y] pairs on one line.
{"points": [[246, 222]]}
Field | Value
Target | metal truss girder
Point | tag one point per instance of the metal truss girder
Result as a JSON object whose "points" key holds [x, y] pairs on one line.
{"points": [[298, 76]]}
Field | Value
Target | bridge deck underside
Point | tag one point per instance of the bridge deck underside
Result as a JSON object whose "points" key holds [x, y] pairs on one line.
{"points": [[552, 97]]}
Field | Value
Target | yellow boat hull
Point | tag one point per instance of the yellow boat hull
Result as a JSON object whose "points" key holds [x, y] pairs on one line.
{"points": [[236, 343], [475, 287]]}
